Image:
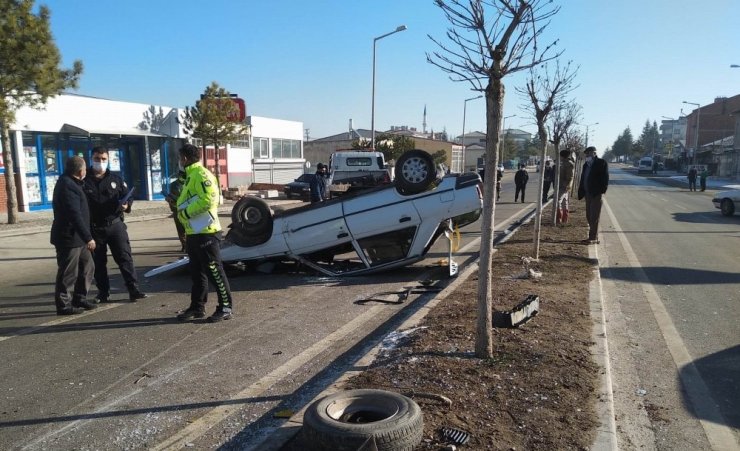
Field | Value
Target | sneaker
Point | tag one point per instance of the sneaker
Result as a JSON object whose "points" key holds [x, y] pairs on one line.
{"points": [[219, 315], [101, 298], [70, 311], [187, 315], [136, 295], [84, 305]]}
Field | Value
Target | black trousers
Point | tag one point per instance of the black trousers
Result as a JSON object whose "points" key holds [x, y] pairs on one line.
{"points": [[593, 213], [114, 236], [520, 189], [75, 269], [205, 265], [546, 190]]}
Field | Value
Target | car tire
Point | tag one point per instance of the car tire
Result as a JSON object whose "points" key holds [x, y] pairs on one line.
{"points": [[348, 419], [415, 172], [727, 207], [252, 216]]}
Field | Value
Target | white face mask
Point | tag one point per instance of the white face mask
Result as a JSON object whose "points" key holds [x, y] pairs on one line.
{"points": [[589, 159], [99, 166]]}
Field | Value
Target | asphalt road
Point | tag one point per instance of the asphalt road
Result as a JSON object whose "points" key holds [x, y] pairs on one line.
{"points": [[671, 282], [128, 375]]}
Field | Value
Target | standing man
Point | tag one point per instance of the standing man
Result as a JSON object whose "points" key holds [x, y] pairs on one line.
{"points": [[499, 176], [549, 175], [318, 184], [594, 181], [703, 179], [197, 208], [107, 196], [70, 235], [520, 180], [692, 178], [567, 169]]}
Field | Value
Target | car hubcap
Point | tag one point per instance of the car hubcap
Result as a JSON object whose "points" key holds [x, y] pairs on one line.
{"points": [[252, 216], [414, 170]]}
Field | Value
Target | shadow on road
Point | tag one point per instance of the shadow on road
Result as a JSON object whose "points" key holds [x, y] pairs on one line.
{"points": [[668, 275], [720, 371], [706, 217]]}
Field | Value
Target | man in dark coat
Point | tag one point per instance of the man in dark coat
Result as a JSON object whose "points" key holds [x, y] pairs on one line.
{"points": [[70, 235], [549, 175], [594, 181], [318, 184], [520, 180]]}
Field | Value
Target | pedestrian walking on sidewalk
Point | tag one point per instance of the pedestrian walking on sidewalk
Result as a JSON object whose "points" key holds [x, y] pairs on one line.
{"points": [[73, 241], [499, 176], [567, 169], [520, 181], [197, 208], [692, 179], [108, 198], [594, 182]]}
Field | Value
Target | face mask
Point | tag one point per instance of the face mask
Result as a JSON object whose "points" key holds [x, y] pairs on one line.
{"points": [[99, 166], [589, 159]]}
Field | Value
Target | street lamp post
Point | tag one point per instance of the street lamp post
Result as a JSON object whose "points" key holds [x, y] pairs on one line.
{"points": [[465, 106], [372, 114], [503, 134], [587, 127], [696, 136]]}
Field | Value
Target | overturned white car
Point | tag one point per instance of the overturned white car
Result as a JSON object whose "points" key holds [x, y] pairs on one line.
{"points": [[375, 230]]}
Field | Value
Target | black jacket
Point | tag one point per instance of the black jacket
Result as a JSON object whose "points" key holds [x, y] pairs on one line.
{"points": [[521, 177], [71, 226], [597, 181], [103, 196]]}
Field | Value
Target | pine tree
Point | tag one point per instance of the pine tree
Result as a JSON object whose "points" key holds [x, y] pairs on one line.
{"points": [[29, 74]]}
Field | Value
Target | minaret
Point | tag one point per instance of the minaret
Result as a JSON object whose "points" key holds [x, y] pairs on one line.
{"points": [[424, 123]]}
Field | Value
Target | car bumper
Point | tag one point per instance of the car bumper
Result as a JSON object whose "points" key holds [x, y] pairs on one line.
{"points": [[717, 203]]}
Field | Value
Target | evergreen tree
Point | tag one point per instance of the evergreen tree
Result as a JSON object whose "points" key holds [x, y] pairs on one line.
{"points": [[29, 74]]}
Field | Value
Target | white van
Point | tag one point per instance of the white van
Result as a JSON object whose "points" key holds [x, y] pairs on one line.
{"points": [[645, 165], [357, 169]]}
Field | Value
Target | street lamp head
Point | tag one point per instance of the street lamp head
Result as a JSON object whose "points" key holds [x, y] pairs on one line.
{"points": [[734, 65], [401, 28]]}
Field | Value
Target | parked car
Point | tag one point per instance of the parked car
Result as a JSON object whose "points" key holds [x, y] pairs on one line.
{"points": [[726, 201], [300, 187], [378, 229]]}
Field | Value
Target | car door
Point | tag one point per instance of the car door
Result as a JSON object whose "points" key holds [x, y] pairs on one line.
{"points": [[316, 228]]}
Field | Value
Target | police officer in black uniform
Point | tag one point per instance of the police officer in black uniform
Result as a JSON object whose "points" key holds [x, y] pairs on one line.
{"points": [[105, 192]]}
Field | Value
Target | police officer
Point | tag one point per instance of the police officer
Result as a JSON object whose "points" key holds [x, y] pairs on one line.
{"points": [[197, 208], [105, 192]]}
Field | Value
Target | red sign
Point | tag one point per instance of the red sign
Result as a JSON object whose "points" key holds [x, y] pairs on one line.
{"points": [[242, 109]]}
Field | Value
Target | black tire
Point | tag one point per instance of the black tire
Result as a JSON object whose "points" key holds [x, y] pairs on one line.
{"points": [[346, 420], [727, 207], [253, 216], [415, 172]]}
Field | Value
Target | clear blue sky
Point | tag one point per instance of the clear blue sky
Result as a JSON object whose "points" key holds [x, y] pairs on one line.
{"points": [[311, 61]]}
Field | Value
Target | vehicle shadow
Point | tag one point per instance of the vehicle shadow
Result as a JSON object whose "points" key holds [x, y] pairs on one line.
{"points": [[720, 372], [670, 275], [704, 217]]}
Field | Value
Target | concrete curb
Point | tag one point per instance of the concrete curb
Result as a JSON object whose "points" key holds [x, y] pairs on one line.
{"points": [[606, 433]]}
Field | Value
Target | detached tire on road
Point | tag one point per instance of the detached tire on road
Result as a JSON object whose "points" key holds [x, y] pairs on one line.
{"points": [[346, 420], [252, 216], [415, 171]]}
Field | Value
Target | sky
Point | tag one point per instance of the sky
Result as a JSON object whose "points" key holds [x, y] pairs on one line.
{"points": [[311, 61]]}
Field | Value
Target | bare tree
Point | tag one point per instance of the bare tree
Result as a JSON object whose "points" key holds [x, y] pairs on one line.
{"points": [[562, 120], [488, 40], [545, 93]]}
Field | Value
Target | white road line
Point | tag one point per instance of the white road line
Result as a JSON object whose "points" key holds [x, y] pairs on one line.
{"points": [[719, 435], [56, 322]]}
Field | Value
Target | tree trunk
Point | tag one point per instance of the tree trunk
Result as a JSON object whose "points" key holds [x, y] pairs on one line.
{"points": [[9, 175], [494, 113], [538, 216]]}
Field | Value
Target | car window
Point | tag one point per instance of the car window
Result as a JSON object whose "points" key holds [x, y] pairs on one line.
{"points": [[387, 247], [304, 178], [337, 259], [359, 161]]}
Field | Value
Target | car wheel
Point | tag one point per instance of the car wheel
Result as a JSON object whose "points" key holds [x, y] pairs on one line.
{"points": [[727, 207], [346, 420], [253, 216], [414, 172]]}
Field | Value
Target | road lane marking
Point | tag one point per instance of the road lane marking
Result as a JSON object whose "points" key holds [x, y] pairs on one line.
{"points": [[56, 322], [719, 435]]}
